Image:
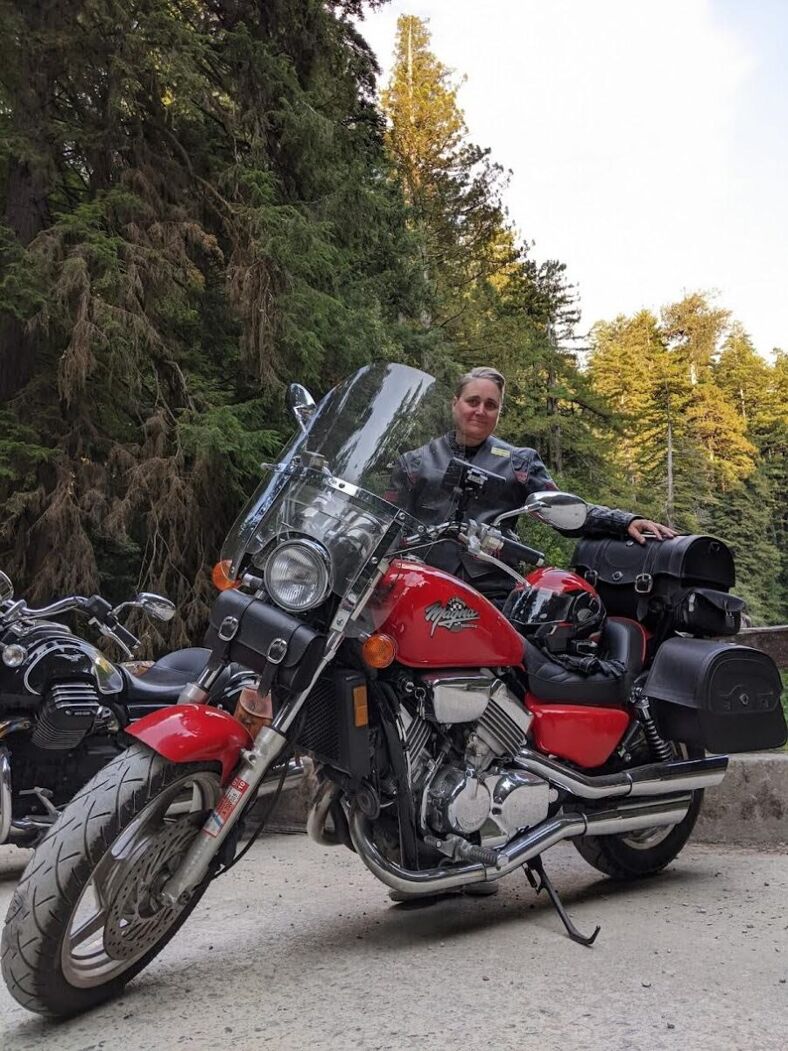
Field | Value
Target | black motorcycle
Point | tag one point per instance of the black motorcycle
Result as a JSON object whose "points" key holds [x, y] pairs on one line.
{"points": [[64, 705]]}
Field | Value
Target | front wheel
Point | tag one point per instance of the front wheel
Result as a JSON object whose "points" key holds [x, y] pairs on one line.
{"points": [[644, 853], [87, 915]]}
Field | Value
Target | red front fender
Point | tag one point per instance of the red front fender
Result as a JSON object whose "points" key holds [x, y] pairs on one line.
{"points": [[190, 733]]}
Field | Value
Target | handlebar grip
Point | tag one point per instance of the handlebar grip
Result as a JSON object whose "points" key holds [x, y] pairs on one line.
{"points": [[514, 551], [122, 633]]}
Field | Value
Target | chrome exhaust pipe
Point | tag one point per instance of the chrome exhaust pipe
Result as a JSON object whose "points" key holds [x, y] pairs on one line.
{"points": [[629, 817], [656, 779], [6, 801], [317, 818]]}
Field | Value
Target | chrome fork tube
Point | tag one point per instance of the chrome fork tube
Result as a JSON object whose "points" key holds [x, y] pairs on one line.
{"points": [[269, 743], [6, 802]]}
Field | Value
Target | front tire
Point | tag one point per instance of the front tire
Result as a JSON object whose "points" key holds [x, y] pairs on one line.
{"points": [[85, 917]]}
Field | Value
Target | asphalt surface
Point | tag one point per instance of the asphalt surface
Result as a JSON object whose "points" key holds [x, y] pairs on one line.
{"points": [[299, 947]]}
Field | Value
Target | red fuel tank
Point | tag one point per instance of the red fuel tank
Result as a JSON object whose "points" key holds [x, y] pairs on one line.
{"points": [[439, 621]]}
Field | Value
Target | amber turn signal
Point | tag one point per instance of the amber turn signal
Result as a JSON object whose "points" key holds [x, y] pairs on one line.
{"points": [[379, 650], [220, 575]]}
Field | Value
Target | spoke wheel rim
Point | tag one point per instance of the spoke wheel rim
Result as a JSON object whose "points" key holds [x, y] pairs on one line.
{"points": [[118, 916]]}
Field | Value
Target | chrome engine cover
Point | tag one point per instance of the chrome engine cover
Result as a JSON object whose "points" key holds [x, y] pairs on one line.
{"points": [[457, 801], [496, 804], [519, 800], [455, 697]]}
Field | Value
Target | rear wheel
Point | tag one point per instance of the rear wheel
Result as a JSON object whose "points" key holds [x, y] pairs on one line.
{"points": [[87, 915], [646, 852]]}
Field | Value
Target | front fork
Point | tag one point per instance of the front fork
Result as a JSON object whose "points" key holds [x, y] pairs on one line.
{"points": [[268, 745]]}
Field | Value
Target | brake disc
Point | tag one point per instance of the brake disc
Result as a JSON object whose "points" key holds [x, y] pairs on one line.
{"points": [[138, 917]]}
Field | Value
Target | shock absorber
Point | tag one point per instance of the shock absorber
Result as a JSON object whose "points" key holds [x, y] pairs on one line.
{"points": [[658, 745]]}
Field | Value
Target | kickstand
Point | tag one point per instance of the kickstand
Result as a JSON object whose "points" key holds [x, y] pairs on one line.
{"points": [[535, 866]]}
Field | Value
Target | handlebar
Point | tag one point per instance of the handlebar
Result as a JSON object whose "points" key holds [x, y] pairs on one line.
{"points": [[514, 551], [481, 540], [97, 608]]}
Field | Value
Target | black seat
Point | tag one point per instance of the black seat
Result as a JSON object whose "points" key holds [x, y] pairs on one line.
{"points": [[622, 640], [162, 683]]}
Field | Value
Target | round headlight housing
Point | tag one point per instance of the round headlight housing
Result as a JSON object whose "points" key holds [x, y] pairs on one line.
{"points": [[298, 575]]}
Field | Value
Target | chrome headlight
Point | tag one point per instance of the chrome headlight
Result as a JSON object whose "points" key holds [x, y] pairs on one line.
{"points": [[298, 575]]}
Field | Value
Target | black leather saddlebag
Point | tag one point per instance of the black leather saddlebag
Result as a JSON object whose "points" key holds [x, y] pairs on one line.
{"points": [[252, 633], [707, 613], [716, 695], [643, 581]]}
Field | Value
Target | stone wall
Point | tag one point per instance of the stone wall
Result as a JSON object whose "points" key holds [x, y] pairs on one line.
{"points": [[773, 641]]}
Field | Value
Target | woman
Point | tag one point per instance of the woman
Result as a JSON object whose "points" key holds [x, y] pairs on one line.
{"points": [[418, 477]]}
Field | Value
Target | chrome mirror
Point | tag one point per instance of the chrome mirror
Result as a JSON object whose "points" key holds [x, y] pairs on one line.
{"points": [[6, 587], [156, 606], [560, 510], [301, 404]]}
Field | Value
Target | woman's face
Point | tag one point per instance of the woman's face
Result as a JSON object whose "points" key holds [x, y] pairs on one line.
{"points": [[476, 411]]}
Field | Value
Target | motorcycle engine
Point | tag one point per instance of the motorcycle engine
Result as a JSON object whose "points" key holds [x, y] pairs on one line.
{"points": [[473, 789]]}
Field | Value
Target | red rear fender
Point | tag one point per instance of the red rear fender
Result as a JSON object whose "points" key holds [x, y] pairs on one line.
{"points": [[191, 733]]}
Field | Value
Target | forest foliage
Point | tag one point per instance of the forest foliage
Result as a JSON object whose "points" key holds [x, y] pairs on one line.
{"points": [[204, 201]]}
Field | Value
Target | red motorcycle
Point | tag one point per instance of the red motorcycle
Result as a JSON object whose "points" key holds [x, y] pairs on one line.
{"points": [[450, 750]]}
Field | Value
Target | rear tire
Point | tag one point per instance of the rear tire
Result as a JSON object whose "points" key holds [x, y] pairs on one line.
{"points": [[114, 844], [640, 854]]}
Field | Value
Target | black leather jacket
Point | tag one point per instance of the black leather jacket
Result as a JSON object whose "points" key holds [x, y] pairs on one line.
{"points": [[416, 487]]}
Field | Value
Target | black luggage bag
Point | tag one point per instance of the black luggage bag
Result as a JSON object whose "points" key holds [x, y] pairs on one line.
{"points": [[716, 695], [679, 584]]}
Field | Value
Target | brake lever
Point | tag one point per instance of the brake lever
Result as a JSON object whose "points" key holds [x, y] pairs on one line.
{"points": [[108, 632], [474, 540]]}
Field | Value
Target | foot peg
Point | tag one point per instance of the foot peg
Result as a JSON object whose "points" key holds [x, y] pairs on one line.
{"points": [[535, 868]]}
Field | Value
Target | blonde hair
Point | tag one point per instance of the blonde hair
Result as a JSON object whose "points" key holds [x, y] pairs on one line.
{"points": [[484, 372]]}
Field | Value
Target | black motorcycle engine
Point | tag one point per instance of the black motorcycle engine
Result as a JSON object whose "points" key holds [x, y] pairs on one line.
{"points": [[67, 715]]}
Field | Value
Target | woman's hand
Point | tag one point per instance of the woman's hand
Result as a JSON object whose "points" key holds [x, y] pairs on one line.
{"points": [[639, 526]]}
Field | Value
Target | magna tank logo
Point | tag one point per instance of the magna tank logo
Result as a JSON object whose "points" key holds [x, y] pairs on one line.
{"points": [[454, 616]]}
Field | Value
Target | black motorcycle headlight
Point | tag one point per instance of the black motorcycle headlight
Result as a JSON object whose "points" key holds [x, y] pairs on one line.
{"points": [[298, 575]]}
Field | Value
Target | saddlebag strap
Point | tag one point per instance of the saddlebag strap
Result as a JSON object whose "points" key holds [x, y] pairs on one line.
{"points": [[274, 656], [644, 581]]}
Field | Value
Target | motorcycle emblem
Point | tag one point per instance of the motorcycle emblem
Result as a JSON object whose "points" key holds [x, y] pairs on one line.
{"points": [[454, 616]]}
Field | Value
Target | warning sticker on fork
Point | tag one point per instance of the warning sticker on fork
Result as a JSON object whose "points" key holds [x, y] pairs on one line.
{"points": [[233, 795]]}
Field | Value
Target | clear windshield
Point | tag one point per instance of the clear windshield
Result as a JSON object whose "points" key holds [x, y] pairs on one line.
{"points": [[333, 483]]}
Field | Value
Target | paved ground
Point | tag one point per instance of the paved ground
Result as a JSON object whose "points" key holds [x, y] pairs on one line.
{"points": [[300, 948]]}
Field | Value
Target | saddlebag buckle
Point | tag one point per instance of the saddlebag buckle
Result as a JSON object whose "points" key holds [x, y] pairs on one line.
{"points": [[277, 651], [643, 583], [228, 629]]}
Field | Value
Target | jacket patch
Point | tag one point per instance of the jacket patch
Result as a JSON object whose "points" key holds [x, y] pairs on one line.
{"points": [[498, 451]]}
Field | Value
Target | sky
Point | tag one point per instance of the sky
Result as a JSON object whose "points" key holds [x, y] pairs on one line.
{"points": [[648, 141]]}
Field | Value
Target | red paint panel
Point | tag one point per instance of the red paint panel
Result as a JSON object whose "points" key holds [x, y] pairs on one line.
{"points": [[414, 604], [558, 580], [191, 733], [583, 734]]}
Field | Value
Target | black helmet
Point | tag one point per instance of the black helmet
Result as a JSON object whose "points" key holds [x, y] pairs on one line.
{"points": [[555, 609]]}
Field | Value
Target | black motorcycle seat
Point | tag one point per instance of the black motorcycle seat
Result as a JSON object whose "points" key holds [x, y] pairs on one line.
{"points": [[162, 683], [622, 640]]}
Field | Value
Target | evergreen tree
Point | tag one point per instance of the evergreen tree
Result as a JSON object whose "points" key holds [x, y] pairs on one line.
{"points": [[197, 209], [697, 404], [492, 303]]}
